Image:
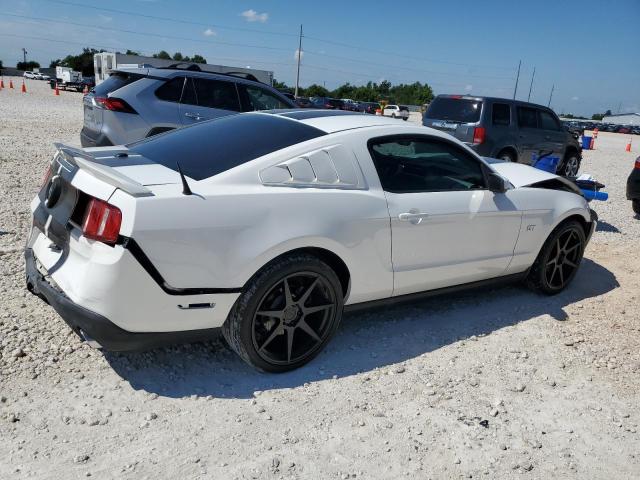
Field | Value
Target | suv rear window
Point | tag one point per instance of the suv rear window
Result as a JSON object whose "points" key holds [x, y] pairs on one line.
{"points": [[461, 110], [215, 146], [115, 81], [171, 91]]}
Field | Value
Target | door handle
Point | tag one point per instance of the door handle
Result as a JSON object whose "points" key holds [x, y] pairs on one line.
{"points": [[413, 217], [194, 116]]}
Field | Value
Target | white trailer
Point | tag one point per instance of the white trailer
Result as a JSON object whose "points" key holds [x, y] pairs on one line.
{"points": [[67, 79], [106, 62]]}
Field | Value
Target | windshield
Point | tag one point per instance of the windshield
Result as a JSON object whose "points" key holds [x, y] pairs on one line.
{"points": [[455, 109]]}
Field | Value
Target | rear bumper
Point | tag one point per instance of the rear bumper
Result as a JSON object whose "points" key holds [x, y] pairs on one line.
{"points": [[89, 138], [91, 326]]}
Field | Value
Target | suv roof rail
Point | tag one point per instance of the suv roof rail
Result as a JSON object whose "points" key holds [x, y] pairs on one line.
{"points": [[194, 67]]}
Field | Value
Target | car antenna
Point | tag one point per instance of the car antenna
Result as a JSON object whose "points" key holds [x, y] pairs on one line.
{"points": [[185, 186]]}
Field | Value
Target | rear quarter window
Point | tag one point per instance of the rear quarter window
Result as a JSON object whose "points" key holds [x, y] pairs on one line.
{"points": [[171, 91], [215, 146]]}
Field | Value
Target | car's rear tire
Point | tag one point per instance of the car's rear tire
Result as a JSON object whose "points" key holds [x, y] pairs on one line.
{"points": [[507, 156], [559, 259], [635, 204], [570, 166], [301, 301], [405, 118]]}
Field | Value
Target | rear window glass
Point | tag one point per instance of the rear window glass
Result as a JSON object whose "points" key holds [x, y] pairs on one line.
{"points": [[171, 91], [455, 109], [114, 82], [209, 148]]}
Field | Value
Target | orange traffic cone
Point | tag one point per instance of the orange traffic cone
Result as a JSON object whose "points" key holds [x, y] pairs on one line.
{"points": [[24, 87], [2, 83], [10, 83], [628, 147], [57, 92], [592, 144]]}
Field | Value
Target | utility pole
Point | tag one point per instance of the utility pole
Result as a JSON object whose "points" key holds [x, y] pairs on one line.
{"points": [[551, 95], [531, 86], [24, 57], [517, 78], [299, 56]]}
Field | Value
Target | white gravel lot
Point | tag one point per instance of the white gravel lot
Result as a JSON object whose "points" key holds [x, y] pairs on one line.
{"points": [[498, 383]]}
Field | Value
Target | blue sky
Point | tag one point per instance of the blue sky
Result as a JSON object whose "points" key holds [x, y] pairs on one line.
{"points": [[588, 49]]}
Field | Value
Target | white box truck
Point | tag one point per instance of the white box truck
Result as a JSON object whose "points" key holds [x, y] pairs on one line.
{"points": [[67, 79]]}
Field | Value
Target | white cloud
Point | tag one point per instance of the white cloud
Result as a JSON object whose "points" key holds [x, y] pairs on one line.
{"points": [[575, 98], [252, 16], [209, 33], [298, 53], [468, 88]]}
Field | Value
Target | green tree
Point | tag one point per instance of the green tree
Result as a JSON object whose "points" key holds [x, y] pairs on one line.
{"points": [[162, 54], [179, 58], [131, 52], [198, 59], [81, 63], [30, 65], [316, 91]]}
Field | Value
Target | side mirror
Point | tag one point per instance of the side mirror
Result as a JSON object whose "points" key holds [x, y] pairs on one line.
{"points": [[497, 184]]}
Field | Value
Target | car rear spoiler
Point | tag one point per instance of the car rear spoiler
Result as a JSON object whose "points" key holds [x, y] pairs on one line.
{"points": [[76, 157]]}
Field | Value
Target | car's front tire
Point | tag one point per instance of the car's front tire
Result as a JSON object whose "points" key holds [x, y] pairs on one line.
{"points": [[559, 259], [286, 314]]}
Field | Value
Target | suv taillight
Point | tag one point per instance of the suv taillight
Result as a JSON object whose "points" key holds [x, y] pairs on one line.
{"points": [[47, 174], [114, 104], [478, 135], [637, 165], [101, 221]]}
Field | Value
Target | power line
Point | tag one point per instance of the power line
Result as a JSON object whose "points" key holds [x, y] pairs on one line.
{"points": [[266, 32]]}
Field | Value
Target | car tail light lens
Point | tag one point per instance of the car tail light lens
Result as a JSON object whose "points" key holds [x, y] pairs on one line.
{"points": [[478, 135], [637, 165], [114, 104], [101, 221], [47, 175]]}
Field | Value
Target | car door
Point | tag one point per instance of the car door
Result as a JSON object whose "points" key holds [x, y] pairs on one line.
{"points": [[204, 99], [447, 228], [553, 132], [530, 138]]}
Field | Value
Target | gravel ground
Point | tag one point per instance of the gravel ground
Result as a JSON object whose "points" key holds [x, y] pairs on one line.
{"points": [[498, 383]]}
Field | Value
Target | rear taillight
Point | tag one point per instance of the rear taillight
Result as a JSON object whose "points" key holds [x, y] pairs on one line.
{"points": [[101, 221], [478, 135], [637, 165], [114, 104], [47, 175]]}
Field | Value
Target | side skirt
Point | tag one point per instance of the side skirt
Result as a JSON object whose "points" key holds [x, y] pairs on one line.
{"points": [[418, 296]]}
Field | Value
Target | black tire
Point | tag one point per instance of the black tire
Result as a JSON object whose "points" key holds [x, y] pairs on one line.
{"points": [[507, 155], [635, 204], [405, 118], [245, 328], [559, 259], [570, 166]]}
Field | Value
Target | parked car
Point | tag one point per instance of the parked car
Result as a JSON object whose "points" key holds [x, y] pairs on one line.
{"points": [[268, 225], [368, 107], [29, 75], [40, 76], [350, 105], [633, 187], [623, 129], [507, 129], [304, 102], [396, 111], [136, 103], [290, 96]]}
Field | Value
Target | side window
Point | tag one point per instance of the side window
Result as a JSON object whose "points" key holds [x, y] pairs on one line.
{"points": [[189, 96], [527, 117], [548, 122], [216, 94], [501, 114], [407, 165], [171, 91], [259, 99]]}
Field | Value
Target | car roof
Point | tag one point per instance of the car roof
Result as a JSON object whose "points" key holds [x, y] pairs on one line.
{"points": [[332, 121], [174, 72], [479, 98]]}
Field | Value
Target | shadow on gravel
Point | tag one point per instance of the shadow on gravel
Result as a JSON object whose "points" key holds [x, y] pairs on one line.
{"points": [[606, 227], [364, 342]]}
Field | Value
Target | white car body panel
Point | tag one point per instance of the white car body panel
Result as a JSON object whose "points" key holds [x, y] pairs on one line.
{"points": [[239, 220]]}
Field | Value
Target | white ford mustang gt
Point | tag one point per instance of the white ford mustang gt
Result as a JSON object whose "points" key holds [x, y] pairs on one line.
{"points": [[270, 224]]}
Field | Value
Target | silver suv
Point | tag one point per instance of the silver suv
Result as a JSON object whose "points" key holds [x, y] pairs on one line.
{"points": [[136, 103]]}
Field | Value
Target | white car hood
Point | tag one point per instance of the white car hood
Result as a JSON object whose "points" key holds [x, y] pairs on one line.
{"points": [[521, 175]]}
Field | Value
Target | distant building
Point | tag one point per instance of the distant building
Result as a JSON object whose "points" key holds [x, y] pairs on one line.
{"points": [[105, 62], [623, 119]]}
